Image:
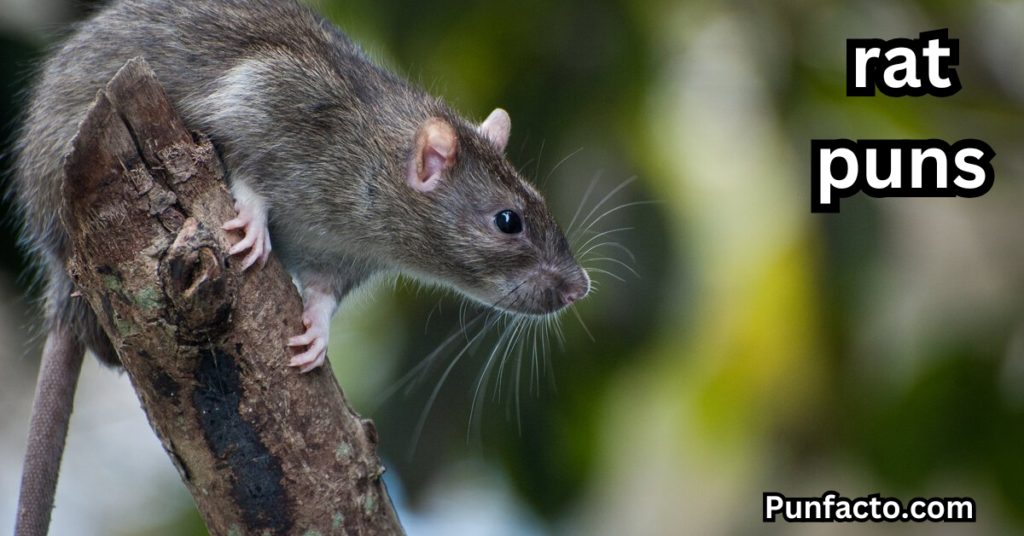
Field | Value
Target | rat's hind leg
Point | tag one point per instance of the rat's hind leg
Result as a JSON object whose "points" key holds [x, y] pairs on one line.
{"points": [[320, 304], [252, 218], [322, 289]]}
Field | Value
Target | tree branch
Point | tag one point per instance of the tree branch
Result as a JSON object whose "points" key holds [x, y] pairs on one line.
{"points": [[262, 448]]}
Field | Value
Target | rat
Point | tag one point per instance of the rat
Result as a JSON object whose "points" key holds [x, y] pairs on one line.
{"points": [[343, 168]]}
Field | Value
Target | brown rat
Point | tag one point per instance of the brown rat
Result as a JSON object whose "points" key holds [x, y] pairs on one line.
{"points": [[344, 168]]}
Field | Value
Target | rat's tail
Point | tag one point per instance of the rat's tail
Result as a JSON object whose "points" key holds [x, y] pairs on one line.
{"points": [[55, 395]]}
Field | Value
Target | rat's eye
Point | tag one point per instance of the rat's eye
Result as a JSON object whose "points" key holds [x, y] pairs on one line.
{"points": [[508, 222]]}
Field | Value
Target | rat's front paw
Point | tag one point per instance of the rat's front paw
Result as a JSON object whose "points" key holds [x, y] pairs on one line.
{"points": [[315, 341], [257, 237]]}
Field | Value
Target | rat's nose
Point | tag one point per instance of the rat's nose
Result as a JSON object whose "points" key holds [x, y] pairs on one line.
{"points": [[575, 288], [569, 297]]}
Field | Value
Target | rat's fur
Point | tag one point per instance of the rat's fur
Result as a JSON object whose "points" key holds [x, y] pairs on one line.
{"points": [[321, 134]]}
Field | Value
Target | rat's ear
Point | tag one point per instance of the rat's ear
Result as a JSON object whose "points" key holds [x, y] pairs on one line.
{"points": [[434, 154], [496, 128]]}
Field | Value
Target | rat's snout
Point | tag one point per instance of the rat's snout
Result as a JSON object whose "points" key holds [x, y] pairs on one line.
{"points": [[554, 289], [573, 288]]}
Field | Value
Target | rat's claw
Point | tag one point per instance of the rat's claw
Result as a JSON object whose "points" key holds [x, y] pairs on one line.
{"points": [[301, 340], [316, 351], [231, 225], [319, 361], [257, 252], [266, 250], [257, 238], [315, 342]]}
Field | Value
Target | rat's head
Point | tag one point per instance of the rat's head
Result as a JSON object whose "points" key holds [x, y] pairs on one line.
{"points": [[483, 228]]}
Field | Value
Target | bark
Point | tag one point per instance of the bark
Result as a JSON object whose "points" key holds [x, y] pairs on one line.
{"points": [[262, 448]]}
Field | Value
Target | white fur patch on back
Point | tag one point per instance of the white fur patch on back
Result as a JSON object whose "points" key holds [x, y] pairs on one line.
{"points": [[234, 103]]}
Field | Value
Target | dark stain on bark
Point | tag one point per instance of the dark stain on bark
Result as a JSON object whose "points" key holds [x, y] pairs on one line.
{"points": [[179, 462], [104, 269], [256, 474], [177, 268], [108, 308], [166, 386]]}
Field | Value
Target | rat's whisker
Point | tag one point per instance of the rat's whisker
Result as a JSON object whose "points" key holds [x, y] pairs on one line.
{"points": [[489, 323], [599, 235], [462, 317], [616, 261], [437, 307], [535, 362], [556, 322], [514, 393], [523, 334], [508, 335], [423, 365], [549, 366], [519, 417], [433, 396], [519, 156], [604, 200], [547, 352], [614, 245], [560, 162], [480, 393], [501, 372], [540, 156], [583, 201], [583, 324], [536, 353], [494, 314], [606, 272], [618, 208]]}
